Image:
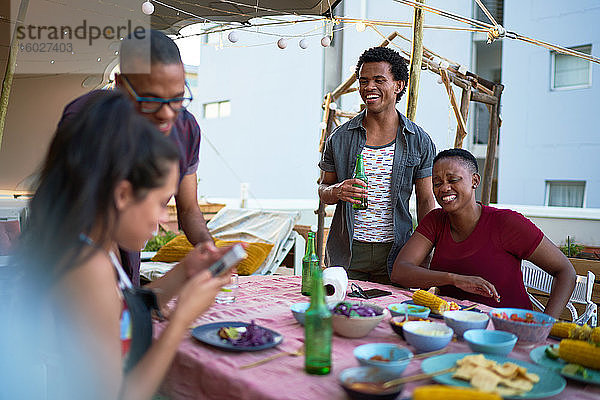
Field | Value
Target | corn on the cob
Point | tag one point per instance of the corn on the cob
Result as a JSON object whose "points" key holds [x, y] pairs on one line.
{"points": [[580, 352], [427, 299], [595, 336], [563, 330], [441, 392], [581, 332]]}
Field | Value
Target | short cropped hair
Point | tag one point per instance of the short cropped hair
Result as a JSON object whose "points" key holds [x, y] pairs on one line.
{"points": [[134, 48], [465, 157], [397, 63]]}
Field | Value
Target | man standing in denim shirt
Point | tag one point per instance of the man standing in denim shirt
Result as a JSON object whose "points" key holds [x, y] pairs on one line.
{"points": [[397, 155]]}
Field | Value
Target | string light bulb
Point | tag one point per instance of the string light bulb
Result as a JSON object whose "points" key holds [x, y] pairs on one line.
{"points": [[360, 26], [325, 41], [147, 7], [282, 43], [303, 44], [233, 37]]}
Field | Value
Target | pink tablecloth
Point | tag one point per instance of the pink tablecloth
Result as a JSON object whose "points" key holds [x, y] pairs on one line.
{"points": [[203, 372]]}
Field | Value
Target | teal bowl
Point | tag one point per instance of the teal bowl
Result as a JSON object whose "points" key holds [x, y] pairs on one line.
{"points": [[385, 356], [412, 310], [299, 311], [490, 342]]}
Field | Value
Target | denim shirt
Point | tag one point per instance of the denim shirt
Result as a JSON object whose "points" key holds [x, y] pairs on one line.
{"points": [[413, 159]]}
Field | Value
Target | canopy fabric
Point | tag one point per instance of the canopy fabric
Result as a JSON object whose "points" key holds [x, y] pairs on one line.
{"points": [[37, 99], [168, 15]]}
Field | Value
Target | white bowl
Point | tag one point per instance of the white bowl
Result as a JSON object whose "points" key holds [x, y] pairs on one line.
{"points": [[356, 327], [462, 321]]}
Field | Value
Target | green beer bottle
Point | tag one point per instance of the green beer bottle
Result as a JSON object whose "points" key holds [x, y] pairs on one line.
{"points": [[359, 173], [317, 328], [310, 258]]}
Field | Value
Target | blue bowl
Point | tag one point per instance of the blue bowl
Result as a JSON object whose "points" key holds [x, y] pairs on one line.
{"points": [[395, 358], [401, 309], [427, 336], [528, 333], [299, 310], [356, 375], [461, 321], [491, 342]]}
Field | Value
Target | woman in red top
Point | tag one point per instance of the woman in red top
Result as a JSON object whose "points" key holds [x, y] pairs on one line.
{"points": [[478, 249]]}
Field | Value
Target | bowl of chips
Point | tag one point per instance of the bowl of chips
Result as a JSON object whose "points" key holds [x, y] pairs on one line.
{"points": [[356, 319], [529, 326]]}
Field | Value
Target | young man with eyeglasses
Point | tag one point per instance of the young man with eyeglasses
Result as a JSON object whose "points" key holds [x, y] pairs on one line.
{"points": [[161, 94]]}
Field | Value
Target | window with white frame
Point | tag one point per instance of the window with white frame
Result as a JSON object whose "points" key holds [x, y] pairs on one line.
{"points": [[217, 109], [565, 193], [569, 72]]}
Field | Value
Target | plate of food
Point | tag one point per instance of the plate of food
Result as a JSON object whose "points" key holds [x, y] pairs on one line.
{"points": [[547, 356], [510, 378], [237, 336]]}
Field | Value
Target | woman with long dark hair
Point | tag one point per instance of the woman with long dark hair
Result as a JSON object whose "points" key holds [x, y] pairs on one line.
{"points": [[105, 183]]}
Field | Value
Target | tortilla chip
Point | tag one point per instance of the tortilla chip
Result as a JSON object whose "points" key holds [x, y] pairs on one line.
{"points": [[485, 380], [465, 372]]}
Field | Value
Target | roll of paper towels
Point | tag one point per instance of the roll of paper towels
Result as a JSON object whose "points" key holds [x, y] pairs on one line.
{"points": [[335, 280]]}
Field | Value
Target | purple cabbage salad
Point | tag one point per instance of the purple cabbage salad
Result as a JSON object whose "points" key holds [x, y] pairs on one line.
{"points": [[253, 336], [355, 310]]}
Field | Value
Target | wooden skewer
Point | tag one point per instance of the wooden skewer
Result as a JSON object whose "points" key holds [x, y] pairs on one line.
{"points": [[417, 377], [298, 352]]}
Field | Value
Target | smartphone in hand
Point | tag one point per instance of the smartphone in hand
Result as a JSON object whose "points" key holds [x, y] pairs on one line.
{"points": [[229, 259]]}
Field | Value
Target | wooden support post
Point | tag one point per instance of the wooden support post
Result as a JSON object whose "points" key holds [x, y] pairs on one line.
{"points": [[415, 63], [321, 210], [490, 156], [326, 112], [10, 67], [465, 99], [461, 131]]}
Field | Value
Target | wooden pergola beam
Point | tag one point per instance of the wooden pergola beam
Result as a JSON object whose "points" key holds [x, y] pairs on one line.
{"points": [[465, 100], [461, 131], [490, 156], [416, 57], [11, 63]]}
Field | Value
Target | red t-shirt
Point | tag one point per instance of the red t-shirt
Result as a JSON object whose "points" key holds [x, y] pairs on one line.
{"points": [[494, 251]]}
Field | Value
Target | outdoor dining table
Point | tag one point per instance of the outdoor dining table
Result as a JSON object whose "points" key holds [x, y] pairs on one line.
{"points": [[200, 371]]}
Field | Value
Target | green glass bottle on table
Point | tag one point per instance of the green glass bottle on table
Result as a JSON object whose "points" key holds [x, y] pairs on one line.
{"points": [[359, 173], [310, 258], [317, 328]]}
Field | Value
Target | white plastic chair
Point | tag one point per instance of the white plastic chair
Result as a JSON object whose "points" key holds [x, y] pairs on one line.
{"points": [[538, 279]]}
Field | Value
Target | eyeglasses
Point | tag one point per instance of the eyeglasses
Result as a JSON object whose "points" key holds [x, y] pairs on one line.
{"points": [[150, 105]]}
